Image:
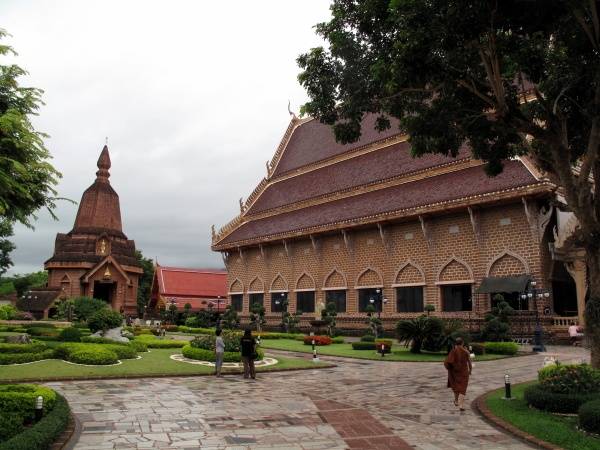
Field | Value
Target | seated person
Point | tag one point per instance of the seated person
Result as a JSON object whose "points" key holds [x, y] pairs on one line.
{"points": [[575, 333]]}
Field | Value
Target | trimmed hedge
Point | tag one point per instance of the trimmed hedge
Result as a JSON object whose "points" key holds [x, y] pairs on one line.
{"points": [[337, 340], [10, 425], [20, 399], [387, 345], [152, 342], [363, 346], [478, 348], [202, 354], [35, 347], [540, 398], [45, 331], [568, 378], [41, 325], [20, 358], [502, 348], [104, 319], [319, 340], [42, 434], [367, 338], [70, 334], [96, 357], [139, 346], [589, 416]]}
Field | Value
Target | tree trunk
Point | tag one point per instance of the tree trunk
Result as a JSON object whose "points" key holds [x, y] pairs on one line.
{"points": [[592, 310]]}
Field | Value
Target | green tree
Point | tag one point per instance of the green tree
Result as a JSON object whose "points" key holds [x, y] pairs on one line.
{"points": [[6, 246], [86, 307], [230, 319], [328, 315], [22, 283], [145, 283], [415, 332], [27, 179], [453, 72], [257, 316]]}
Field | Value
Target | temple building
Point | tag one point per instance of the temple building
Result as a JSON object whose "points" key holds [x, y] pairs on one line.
{"points": [[202, 289], [95, 258], [367, 224]]}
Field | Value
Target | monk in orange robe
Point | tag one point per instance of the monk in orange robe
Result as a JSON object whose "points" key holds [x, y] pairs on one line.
{"points": [[458, 364]]}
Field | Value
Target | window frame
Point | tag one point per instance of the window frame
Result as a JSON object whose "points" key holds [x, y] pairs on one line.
{"points": [[314, 296], [420, 286], [445, 286]]}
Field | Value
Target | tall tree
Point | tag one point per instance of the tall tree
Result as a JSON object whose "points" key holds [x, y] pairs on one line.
{"points": [[454, 71], [27, 179], [145, 283], [6, 247]]}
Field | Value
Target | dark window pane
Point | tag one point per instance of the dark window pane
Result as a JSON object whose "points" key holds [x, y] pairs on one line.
{"points": [[337, 297], [456, 297], [237, 301], [256, 298], [277, 301], [513, 299], [409, 299], [305, 301], [364, 299]]}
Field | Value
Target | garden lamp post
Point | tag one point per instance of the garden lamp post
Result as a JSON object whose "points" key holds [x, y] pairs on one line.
{"points": [[281, 301], [218, 324], [536, 294]]}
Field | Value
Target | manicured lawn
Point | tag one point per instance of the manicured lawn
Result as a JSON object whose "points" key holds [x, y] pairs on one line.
{"points": [[558, 430], [155, 362], [399, 353]]}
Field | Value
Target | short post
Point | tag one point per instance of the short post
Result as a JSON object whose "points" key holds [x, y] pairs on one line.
{"points": [[507, 393], [314, 349], [382, 349], [39, 408]]}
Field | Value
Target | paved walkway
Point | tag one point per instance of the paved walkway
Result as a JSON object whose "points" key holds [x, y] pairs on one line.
{"points": [[359, 404]]}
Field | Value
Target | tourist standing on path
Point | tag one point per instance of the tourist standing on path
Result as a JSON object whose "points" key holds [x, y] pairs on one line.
{"points": [[458, 364], [219, 351], [248, 346]]}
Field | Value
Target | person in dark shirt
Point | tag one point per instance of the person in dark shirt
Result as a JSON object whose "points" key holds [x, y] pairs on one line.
{"points": [[248, 347]]}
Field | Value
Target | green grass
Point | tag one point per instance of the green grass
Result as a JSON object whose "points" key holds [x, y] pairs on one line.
{"points": [[558, 430], [399, 353], [155, 362]]}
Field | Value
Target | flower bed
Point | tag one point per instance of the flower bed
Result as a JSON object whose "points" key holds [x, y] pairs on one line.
{"points": [[319, 340]]}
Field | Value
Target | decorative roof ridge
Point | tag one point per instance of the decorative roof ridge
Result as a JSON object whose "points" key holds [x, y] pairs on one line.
{"points": [[295, 122], [388, 215], [384, 183], [192, 270]]}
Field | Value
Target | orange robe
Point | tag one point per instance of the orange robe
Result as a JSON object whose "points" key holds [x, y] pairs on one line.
{"points": [[458, 364]]}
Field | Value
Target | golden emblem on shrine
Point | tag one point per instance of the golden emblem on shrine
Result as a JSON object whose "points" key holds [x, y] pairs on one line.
{"points": [[103, 247], [107, 273]]}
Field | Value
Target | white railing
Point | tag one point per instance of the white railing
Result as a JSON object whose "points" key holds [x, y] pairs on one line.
{"points": [[563, 321]]}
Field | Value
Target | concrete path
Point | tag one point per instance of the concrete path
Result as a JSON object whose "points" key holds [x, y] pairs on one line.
{"points": [[358, 405]]}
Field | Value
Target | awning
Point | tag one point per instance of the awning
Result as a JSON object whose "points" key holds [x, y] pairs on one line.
{"points": [[491, 285]]}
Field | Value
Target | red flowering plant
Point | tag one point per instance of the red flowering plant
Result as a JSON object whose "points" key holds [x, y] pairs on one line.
{"points": [[319, 340]]}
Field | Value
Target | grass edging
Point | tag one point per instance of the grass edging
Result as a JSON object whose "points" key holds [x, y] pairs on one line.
{"points": [[479, 404], [176, 375]]}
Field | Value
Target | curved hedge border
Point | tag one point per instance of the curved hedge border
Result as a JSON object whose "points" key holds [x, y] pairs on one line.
{"points": [[541, 399], [45, 432], [202, 354], [36, 347], [152, 342], [22, 358]]}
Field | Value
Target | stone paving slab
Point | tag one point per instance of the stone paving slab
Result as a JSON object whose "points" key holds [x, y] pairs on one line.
{"points": [[371, 405]]}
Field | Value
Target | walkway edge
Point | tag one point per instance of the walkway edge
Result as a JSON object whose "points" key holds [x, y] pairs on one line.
{"points": [[479, 405]]}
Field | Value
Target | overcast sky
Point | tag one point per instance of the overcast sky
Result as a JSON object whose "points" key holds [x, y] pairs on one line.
{"points": [[192, 96]]}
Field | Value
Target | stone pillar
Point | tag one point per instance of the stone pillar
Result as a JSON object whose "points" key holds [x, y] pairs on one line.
{"points": [[578, 270]]}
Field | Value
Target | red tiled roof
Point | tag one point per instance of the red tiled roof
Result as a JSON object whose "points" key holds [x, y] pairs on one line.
{"points": [[313, 141], [375, 166], [450, 186], [177, 282], [199, 304]]}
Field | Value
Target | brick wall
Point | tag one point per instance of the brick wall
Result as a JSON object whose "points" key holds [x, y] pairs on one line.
{"points": [[399, 254]]}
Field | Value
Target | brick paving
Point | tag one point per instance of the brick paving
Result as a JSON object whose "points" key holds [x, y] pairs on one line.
{"points": [[357, 405]]}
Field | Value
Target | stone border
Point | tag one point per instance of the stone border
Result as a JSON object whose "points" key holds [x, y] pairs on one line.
{"points": [[480, 407], [265, 362]]}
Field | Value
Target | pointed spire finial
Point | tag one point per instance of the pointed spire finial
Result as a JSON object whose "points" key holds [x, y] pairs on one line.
{"points": [[103, 165]]}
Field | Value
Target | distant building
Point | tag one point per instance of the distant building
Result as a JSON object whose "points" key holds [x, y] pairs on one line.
{"points": [[95, 258], [203, 289], [367, 224], [40, 302]]}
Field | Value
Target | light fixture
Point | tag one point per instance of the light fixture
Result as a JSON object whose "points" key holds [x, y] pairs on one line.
{"points": [[371, 300], [530, 295]]}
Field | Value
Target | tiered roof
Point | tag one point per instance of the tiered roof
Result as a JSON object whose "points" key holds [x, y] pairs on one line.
{"points": [[316, 185]]}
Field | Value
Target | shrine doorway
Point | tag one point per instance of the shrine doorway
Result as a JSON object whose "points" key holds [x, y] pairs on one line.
{"points": [[105, 291]]}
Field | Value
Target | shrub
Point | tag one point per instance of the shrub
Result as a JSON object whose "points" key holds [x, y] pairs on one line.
{"points": [[171, 327], [36, 347], [337, 340], [478, 348], [142, 331], [42, 434], [367, 338], [23, 315], [97, 356], [502, 348], [540, 398], [559, 378], [319, 340], [10, 425], [203, 354], [139, 346], [70, 334], [20, 399], [43, 331], [21, 358], [230, 339], [387, 345], [41, 325], [7, 312], [104, 319], [414, 332], [122, 351], [589, 416], [152, 342], [363, 345], [85, 307]]}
